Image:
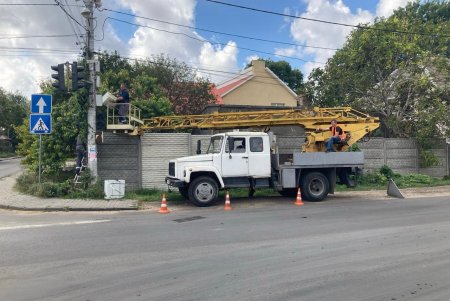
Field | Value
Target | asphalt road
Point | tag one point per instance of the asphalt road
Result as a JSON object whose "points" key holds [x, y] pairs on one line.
{"points": [[334, 250], [9, 167]]}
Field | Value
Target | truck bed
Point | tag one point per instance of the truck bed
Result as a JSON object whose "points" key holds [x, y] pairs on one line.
{"points": [[318, 160]]}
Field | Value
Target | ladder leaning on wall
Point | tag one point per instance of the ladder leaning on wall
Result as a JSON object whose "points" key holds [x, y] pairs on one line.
{"points": [[76, 179]]}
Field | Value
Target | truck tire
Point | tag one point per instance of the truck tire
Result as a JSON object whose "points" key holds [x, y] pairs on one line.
{"points": [[288, 192], [315, 186], [184, 192], [203, 191]]}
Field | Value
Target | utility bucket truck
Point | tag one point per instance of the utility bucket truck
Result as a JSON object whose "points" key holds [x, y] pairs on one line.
{"points": [[250, 159]]}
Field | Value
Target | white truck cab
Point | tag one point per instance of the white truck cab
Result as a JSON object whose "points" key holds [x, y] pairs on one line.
{"points": [[233, 159]]}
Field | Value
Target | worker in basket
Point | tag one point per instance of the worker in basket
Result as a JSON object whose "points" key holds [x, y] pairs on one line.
{"points": [[338, 136]]}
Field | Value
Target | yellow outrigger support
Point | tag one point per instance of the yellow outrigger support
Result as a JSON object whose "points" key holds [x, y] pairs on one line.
{"points": [[355, 123]]}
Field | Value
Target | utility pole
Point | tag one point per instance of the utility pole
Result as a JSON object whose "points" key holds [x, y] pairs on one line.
{"points": [[88, 14]]}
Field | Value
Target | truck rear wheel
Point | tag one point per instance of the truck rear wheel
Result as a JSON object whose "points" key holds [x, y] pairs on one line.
{"points": [[203, 191], [315, 186]]}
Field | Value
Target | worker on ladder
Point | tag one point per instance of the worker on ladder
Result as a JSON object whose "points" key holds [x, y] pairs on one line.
{"points": [[81, 153]]}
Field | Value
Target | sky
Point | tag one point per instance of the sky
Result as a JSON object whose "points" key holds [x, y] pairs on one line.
{"points": [[215, 39]]}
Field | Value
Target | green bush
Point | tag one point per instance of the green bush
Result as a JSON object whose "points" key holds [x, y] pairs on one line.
{"points": [[91, 191], [387, 171], [371, 178], [61, 186], [414, 180]]}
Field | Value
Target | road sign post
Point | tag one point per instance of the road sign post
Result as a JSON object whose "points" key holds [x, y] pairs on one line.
{"points": [[41, 120]]}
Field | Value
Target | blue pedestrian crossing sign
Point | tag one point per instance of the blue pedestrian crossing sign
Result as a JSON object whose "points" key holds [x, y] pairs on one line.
{"points": [[41, 103], [40, 123]]}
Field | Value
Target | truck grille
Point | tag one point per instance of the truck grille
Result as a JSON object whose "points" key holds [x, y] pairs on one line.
{"points": [[172, 169]]}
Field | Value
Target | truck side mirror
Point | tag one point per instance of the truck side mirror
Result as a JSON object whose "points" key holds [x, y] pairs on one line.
{"points": [[199, 147]]}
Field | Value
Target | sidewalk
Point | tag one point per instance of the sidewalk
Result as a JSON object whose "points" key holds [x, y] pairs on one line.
{"points": [[11, 199]]}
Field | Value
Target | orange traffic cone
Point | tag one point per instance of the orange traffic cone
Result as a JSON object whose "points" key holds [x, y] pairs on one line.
{"points": [[227, 202], [164, 208], [299, 201]]}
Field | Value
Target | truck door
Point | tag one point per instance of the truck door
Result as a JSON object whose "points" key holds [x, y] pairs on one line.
{"points": [[235, 163], [259, 157]]}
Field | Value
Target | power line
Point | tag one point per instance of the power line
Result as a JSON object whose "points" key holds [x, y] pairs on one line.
{"points": [[37, 4], [22, 49], [219, 32], [38, 36], [214, 43], [326, 22], [68, 15], [74, 28], [27, 4]]}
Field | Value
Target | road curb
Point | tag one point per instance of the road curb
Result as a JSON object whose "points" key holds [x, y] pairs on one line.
{"points": [[9, 158], [66, 209]]}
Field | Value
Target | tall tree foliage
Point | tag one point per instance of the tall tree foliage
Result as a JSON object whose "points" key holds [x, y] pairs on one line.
{"points": [[158, 87], [13, 110], [400, 77]]}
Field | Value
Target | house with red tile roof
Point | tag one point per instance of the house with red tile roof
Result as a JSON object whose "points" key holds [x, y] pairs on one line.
{"points": [[255, 86]]}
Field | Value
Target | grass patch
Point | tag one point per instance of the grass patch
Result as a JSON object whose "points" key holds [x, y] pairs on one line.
{"points": [[378, 179], [7, 154]]}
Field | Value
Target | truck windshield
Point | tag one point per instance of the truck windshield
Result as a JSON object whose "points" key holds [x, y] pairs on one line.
{"points": [[215, 145]]}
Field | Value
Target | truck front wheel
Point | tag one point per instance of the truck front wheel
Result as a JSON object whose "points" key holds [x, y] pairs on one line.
{"points": [[203, 191], [315, 186]]}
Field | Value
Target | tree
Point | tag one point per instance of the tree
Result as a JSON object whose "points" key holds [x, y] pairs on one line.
{"points": [[13, 110], [69, 118], [188, 93], [150, 88], [293, 78], [160, 80], [392, 74]]}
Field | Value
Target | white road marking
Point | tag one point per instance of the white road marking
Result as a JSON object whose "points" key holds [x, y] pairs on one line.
{"points": [[54, 224]]}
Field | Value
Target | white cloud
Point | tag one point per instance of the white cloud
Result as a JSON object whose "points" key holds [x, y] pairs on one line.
{"points": [[187, 45], [218, 58], [321, 34], [329, 36], [385, 8], [24, 69]]}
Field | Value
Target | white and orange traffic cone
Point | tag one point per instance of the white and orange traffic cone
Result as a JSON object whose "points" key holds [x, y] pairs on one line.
{"points": [[227, 202], [298, 200], [164, 208]]}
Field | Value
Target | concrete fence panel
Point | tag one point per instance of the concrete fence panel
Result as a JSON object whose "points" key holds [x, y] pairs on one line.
{"points": [[119, 159]]}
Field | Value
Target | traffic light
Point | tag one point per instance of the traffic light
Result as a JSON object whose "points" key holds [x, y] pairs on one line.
{"points": [[77, 77], [59, 84]]}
